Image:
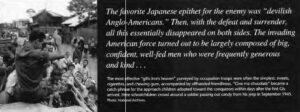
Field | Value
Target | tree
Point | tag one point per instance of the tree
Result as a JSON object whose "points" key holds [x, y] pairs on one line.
{"points": [[86, 9]]}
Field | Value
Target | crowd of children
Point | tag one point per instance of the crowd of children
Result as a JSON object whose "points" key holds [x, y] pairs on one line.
{"points": [[71, 84]]}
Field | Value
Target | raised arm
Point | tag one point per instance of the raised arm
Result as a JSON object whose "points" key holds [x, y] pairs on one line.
{"points": [[38, 53], [55, 56]]}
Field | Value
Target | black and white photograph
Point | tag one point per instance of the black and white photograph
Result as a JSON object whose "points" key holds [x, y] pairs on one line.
{"points": [[48, 56]]}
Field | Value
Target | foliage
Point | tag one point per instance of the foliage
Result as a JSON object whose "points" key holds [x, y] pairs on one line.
{"points": [[86, 9]]}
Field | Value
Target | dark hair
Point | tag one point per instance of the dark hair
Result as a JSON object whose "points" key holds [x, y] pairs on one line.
{"points": [[92, 89], [36, 35], [81, 43], [64, 68], [75, 41], [86, 60], [71, 64], [59, 31]]}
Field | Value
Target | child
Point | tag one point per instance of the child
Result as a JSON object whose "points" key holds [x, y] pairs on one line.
{"points": [[77, 65], [85, 68]]}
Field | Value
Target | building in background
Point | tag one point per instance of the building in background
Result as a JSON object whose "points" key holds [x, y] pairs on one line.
{"points": [[22, 25], [82, 27], [47, 21]]}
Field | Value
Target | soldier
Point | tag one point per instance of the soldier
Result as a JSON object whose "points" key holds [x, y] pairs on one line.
{"points": [[30, 69]]}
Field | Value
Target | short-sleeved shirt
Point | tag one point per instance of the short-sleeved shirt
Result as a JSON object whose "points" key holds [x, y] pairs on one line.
{"points": [[78, 67], [85, 71], [30, 66]]}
